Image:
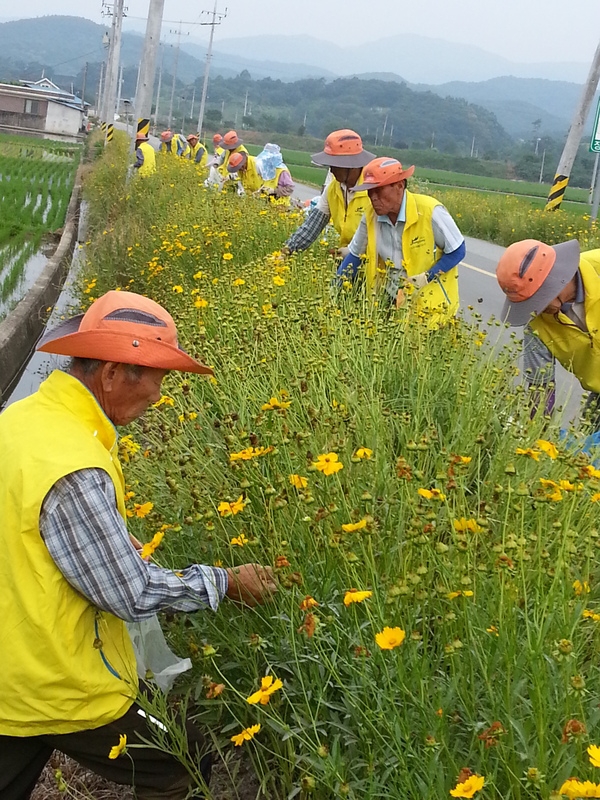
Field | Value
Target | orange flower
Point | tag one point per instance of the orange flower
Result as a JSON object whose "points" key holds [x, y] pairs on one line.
{"points": [[308, 603], [309, 625], [214, 690]]}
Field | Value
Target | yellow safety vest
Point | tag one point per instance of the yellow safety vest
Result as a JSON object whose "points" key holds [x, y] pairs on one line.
{"points": [[252, 181], [346, 219], [192, 154], [178, 143], [577, 350], [228, 153], [438, 301], [149, 165], [66, 665]]}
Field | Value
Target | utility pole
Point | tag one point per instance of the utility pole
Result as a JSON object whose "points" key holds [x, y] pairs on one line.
{"points": [[100, 84], [216, 20], [246, 103], [112, 71], [162, 55], [565, 165], [542, 167], [391, 134], [143, 95], [472, 147], [83, 83], [120, 88], [384, 127], [193, 101], [175, 63]]}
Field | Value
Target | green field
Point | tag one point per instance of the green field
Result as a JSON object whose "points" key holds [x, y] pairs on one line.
{"points": [[36, 180]]}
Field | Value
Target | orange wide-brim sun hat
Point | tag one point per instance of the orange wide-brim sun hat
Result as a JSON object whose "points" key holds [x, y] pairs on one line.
{"points": [[344, 149], [124, 327]]}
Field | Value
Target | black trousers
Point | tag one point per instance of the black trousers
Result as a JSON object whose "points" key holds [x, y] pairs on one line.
{"points": [[154, 774]]}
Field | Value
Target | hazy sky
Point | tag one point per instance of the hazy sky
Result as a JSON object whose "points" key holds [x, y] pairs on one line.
{"points": [[521, 30]]}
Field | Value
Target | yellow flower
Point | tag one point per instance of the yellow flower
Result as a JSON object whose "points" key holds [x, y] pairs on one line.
{"points": [[589, 614], [389, 638], [120, 748], [535, 454], [595, 497], [228, 509], [178, 289], [278, 280], [462, 525], [581, 588], [149, 548], [239, 541], [454, 595], [164, 401], [328, 463], [354, 596], [238, 281], [249, 453], [268, 686], [363, 452], [594, 754], [200, 302], [246, 735], [350, 527], [555, 496], [548, 448], [274, 404], [567, 486], [431, 494], [591, 471], [469, 787], [574, 788], [298, 482], [227, 256], [142, 510]]}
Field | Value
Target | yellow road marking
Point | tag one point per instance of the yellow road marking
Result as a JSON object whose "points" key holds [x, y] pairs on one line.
{"points": [[477, 269]]}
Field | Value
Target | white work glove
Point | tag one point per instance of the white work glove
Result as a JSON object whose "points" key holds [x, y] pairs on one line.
{"points": [[419, 281]]}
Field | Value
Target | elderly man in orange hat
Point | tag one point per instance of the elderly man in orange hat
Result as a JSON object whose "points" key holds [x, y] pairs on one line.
{"points": [[554, 292], [342, 200], [70, 574], [173, 144], [231, 144], [412, 238], [197, 152]]}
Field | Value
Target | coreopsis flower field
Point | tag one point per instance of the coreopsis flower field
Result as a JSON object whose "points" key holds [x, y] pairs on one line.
{"points": [[435, 632]]}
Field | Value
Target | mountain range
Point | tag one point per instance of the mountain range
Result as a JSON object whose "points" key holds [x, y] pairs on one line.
{"points": [[519, 94]]}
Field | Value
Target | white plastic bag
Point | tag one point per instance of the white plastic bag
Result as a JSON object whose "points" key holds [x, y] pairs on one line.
{"points": [[155, 660]]}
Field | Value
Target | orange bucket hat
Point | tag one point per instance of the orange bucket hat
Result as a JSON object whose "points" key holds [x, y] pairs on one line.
{"points": [[231, 140], [343, 148], [217, 139], [236, 161], [382, 172], [532, 274], [123, 327], [166, 136]]}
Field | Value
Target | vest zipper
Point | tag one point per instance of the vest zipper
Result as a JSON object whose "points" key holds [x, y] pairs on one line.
{"points": [[98, 646]]}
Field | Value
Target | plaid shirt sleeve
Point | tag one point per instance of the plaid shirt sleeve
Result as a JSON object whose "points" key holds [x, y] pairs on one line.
{"points": [[308, 232], [538, 361], [88, 541]]}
